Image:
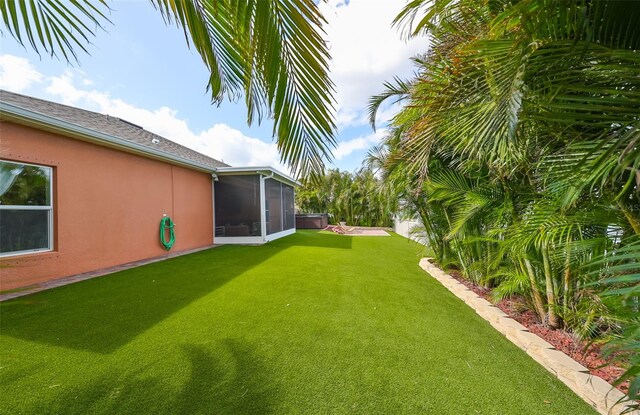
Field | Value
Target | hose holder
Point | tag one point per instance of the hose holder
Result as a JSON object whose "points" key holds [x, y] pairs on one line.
{"points": [[167, 223]]}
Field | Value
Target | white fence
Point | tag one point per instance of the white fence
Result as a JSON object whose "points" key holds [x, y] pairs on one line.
{"points": [[403, 228]]}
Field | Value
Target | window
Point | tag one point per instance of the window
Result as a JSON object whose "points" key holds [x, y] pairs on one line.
{"points": [[26, 208]]}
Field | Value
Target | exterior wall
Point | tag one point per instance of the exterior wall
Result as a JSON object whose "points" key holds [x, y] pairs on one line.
{"points": [[107, 206]]}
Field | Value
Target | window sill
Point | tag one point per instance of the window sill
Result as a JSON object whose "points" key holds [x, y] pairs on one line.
{"points": [[29, 256]]}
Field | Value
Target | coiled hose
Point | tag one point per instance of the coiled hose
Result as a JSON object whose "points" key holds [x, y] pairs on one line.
{"points": [[167, 223]]}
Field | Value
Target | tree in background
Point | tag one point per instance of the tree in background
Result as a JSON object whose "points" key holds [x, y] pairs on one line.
{"points": [[518, 144], [355, 198], [270, 52]]}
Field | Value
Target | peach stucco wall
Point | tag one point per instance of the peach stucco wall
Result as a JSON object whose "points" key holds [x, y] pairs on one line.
{"points": [[107, 206]]}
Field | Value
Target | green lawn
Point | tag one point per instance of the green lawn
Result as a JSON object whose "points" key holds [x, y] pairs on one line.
{"points": [[312, 323]]}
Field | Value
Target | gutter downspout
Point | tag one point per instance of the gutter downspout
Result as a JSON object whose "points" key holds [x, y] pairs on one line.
{"points": [[214, 179]]}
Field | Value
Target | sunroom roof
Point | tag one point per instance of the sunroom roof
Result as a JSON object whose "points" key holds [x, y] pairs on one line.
{"points": [[263, 170]]}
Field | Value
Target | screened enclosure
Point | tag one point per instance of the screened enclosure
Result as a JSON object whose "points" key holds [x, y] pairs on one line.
{"points": [[253, 205], [279, 206], [237, 206]]}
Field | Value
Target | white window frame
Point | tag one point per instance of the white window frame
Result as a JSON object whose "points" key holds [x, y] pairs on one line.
{"points": [[29, 207]]}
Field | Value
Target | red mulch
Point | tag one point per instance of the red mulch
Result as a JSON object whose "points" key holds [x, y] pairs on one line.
{"points": [[589, 356]]}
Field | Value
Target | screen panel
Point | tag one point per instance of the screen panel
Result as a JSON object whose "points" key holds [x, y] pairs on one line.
{"points": [[273, 193], [237, 206], [288, 202]]}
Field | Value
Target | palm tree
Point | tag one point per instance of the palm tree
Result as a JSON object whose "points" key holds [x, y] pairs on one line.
{"points": [[356, 198], [270, 52], [520, 133], [623, 268]]}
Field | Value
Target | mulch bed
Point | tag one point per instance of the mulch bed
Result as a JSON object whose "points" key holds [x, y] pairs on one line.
{"points": [[589, 356]]}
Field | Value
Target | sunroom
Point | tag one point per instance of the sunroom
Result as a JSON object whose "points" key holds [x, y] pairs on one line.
{"points": [[253, 205]]}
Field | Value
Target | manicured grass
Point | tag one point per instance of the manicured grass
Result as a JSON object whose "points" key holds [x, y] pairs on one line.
{"points": [[311, 323]]}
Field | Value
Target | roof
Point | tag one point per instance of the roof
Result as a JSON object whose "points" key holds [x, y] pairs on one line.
{"points": [[100, 128], [263, 170]]}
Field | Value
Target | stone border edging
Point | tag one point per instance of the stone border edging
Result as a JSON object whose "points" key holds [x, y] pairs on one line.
{"points": [[592, 389]]}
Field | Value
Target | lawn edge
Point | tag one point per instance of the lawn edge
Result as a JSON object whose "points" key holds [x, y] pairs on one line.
{"points": [[10, 294], [594, 390]]}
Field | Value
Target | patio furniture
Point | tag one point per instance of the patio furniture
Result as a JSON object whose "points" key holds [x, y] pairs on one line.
{"points": [[342, 228]]}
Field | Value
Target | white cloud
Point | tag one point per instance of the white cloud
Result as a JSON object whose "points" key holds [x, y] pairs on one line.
{"points": [[366, 51], [221, 141], [236, 148], [62, 87], [17, 74], [345, 148]]}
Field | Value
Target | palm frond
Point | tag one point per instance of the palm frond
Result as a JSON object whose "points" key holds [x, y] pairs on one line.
{"points": [[273, 54], [397, 89], [57, 27], [511, 283], [622, 267]]}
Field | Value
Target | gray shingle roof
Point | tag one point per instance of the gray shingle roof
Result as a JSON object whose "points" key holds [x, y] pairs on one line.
{"points": [[107, 124]]}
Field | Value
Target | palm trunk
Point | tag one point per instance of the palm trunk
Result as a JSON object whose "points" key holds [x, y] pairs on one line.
{"points": [[435, 243], [567, 277], [456, 247], [554, 321], [633, 221], [465, 271], [538, 302], [488, 283]]}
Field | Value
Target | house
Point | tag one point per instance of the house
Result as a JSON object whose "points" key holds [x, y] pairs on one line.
{"points": [[82, 191]]}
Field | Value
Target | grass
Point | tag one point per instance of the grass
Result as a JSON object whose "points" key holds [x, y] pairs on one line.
{"points": [[311, 323]]}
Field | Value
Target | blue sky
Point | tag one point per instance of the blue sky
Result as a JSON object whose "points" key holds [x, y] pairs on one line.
{"points": [[141, 70]]}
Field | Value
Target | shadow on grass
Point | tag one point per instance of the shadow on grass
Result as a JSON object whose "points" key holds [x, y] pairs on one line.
{"points": [[214, 389], [226, 378], [102, 314]]}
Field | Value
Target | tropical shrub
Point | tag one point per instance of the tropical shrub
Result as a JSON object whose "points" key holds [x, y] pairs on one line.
{"points": [[518, 145], [355, 198]]}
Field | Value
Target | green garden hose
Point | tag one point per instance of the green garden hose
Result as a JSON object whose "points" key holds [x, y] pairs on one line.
{"points": [[167, 223]]}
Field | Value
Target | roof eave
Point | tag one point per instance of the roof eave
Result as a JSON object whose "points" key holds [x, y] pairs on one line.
{"points": [[263, 170], [19, 115]]}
